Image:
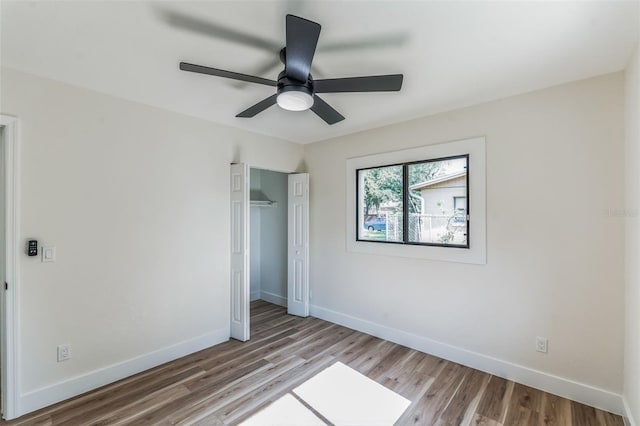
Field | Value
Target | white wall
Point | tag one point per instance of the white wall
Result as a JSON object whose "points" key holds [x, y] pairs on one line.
{"points": [[136, 200], [632, 232], [554, 250], [273, 237]]}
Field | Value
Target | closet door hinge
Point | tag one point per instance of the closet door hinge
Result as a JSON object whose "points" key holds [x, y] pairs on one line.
{"points": [[6, 286]]}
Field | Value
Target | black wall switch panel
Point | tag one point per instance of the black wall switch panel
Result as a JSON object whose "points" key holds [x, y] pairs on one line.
{"points": [[32, 248]]}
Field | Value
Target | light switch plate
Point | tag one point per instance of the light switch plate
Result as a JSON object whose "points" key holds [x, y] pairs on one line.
{"points": [[48, 253]]}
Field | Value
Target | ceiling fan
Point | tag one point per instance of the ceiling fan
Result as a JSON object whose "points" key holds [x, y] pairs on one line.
{"points": [[296, 90]]}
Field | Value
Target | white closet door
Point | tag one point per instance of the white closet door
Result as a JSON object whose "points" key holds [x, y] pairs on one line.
{"points": [[298, 246], [240, 252]]}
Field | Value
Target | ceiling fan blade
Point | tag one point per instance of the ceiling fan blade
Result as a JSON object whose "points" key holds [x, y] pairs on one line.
{"points": [[263, 68], [184, 66], [211, 29], [374, 83], [325, 111], [259, 107], [302, 39]]}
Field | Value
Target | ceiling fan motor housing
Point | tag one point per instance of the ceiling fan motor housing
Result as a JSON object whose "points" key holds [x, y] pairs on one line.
{"points": [[294, 95]]}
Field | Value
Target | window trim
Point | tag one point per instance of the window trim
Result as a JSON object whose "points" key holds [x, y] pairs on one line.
{"points": [[477, 251], [405, 202]]}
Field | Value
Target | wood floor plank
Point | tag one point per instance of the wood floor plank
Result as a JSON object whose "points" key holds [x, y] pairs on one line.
{"points": [[323, 340], [210, 398], [258, 307], [297, 345], [608, 419], [353, 347], [304, 331], [367, 361], [236, 367], [527, 397], [249, 347], [555, 410], [480, 420], [34, 420], [495, 400], [465, 401], [129, 413], [401, 371], [524, 407], [407, 362], [437, 397], [232, 381], [276, 319], [583, 414], [419, 374], [226, 374], [104, 405], [396, 355], [207, 421]]}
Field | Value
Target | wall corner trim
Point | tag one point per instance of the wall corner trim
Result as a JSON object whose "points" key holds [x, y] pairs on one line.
{"points": [[581, 392], [627, 416], [51, 394]]}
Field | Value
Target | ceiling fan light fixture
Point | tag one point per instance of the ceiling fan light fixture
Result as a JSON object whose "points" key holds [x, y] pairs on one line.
{"points": [[294, 100]]}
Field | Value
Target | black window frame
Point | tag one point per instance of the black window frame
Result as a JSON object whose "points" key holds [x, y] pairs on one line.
{"points": [[405, 202]]}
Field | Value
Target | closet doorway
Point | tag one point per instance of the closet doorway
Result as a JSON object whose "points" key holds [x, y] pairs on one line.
{"points": [[268, 236], [269, 243]]}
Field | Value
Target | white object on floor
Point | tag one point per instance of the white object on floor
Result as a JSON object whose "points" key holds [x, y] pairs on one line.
{"points": [[286, 411], [346, 397]]}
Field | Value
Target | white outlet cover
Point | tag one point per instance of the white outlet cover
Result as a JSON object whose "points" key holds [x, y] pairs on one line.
{"points": [[48, 253], [542, 344], [64, 352]]}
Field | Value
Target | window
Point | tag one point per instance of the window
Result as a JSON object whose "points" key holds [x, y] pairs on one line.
{"points": [[418, 203], [359, 239]]}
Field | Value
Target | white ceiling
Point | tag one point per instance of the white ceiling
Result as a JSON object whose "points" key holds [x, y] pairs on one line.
{"points": [[452, 54]]}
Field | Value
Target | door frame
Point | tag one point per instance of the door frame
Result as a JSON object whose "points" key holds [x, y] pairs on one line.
{"points": [[10, 355], [247, 230]]}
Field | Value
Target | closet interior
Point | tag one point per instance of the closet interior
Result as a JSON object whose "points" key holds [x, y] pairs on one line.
{"points": [[268, 236]]}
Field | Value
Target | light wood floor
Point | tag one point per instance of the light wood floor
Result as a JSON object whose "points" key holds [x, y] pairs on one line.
{"points": [[228, 383]]}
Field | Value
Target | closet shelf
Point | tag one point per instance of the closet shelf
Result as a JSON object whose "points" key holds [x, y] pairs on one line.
{"points": [[263, 203], [259, 199]]}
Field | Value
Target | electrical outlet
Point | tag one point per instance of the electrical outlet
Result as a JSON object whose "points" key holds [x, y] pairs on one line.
{"points": [[542, 344], [64, 352]]}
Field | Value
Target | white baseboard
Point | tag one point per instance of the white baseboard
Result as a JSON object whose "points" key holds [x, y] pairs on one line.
{"points": [[628, 415], [45, 396], [567, 388], [273, 298], [255, 295]]}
